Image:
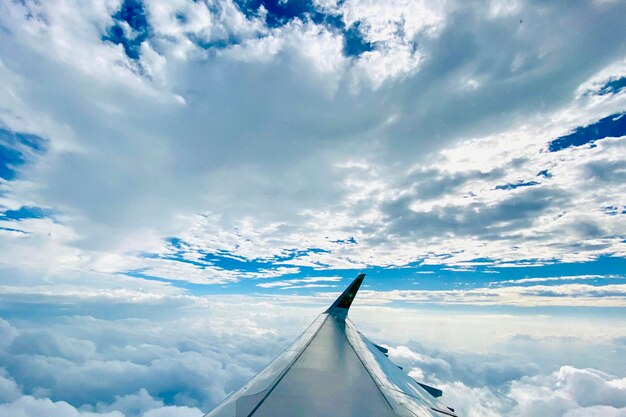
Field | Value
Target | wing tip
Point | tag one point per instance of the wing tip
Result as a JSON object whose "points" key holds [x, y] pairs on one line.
{"points": [[344, 301]]}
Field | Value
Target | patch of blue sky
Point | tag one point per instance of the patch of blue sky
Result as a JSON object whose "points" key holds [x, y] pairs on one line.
{"points": [[15, 149], [10, 159], [133, 14], [230, 261], [214, 44], [279, 13], [141, 273], [24, 212], [612, 87], [354, 43], [611, 126], [10, 229], [518, 184], [348, 241], [544, 173], [614, 210], [327, 19], [226, 260]]}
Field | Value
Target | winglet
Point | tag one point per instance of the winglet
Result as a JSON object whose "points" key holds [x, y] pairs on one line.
{"points": [[341, 306]]}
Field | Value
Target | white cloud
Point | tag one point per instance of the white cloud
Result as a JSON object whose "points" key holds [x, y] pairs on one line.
{"points": [[28, 406], [309, 286], [174, 412], [498, 385], [131, 405], [598, 80], [220, 149], [381, 20], [568, 390], [9, 391], [126, 364]]}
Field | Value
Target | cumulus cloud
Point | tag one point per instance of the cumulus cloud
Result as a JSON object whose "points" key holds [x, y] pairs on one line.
{"points": [[187, 361], [28, 406], [174, 411], [569, 391], [493, 385], [9, 391], [133, 371]]}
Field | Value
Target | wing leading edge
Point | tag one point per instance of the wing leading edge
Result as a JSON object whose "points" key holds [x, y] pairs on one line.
{"points": [[333, 370]]}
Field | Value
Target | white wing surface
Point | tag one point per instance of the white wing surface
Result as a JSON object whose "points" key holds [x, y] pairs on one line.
{"points": [[332, 370]]}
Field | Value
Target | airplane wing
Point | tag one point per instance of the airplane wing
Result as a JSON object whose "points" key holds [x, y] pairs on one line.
{"points": [[332, 370]]}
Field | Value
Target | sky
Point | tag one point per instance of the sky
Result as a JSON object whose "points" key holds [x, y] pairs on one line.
{"points": [[185, 185]]}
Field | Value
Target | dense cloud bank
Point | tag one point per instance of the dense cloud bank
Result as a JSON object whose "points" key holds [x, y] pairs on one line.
{"points": [[82, 366]]}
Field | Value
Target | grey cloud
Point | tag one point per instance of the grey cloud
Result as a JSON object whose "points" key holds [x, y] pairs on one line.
{"points": [[131, 405], [589, 229], [7, 333], [261, 130], [516, 78], [606, 172], [433, 183], [9, 391], [46, 344], [118, 371], [135, 365], [489, 221]]}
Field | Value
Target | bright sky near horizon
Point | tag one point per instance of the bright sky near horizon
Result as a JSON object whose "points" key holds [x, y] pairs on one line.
{"points": [[185, 184]]}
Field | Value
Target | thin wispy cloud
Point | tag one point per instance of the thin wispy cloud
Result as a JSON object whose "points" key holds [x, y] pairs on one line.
{"points": [[564, 278], [312, 282]]}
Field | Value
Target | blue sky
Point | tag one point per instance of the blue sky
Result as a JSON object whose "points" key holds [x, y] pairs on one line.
{"points": [[198, 179]]}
